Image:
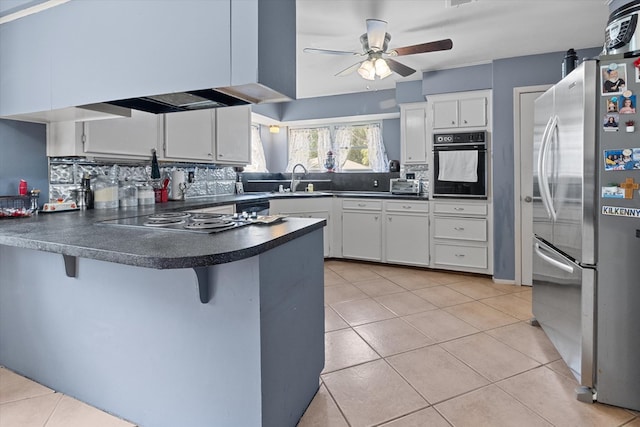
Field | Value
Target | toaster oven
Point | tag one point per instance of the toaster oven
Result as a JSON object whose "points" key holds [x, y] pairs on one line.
{"points": [[404, 186]]}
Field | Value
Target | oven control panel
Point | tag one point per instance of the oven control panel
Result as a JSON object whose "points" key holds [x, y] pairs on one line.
{"points": [[460, 138]]}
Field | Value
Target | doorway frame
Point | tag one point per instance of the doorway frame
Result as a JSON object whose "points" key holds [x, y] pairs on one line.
{"points": [[517, 194]]}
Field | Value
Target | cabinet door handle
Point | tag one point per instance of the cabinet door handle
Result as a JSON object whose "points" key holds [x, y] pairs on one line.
{"points": [[460, 255], [458, 228], [458, 209], [406, 207], [362, 205]]}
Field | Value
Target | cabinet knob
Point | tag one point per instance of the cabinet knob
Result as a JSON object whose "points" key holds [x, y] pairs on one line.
{"points": [[458, 228], [453, 122], [460, 255], [389, 218], [465, 122], [406, 207], [362, 205], [528, 199], [209, 154], [458, 209]]}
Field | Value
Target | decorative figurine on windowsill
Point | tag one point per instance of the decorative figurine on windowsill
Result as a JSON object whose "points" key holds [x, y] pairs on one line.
{"points": [[330, 162]]}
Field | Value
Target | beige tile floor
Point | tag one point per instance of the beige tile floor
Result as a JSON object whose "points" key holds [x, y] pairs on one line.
{"points": [[412, 347], [404, 348]]}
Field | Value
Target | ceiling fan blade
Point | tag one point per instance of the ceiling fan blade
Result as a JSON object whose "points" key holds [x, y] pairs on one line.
{"points": [[348, 70], [445, 44], [331, 52], [376, 31], [399, 68]]}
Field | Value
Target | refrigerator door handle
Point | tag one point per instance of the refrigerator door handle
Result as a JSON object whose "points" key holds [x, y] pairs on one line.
{"points": [[559, 264], [545, 146]]}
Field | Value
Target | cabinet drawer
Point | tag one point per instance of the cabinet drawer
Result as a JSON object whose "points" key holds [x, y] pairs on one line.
{"points": [[460, 208], [461, 256], [362, 204], [461, 228], [407, 206]]}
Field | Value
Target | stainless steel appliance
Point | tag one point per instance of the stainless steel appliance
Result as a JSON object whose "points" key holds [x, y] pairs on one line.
{"points": [[460, 165], [586, 288], [404, 186], [622, 34]]}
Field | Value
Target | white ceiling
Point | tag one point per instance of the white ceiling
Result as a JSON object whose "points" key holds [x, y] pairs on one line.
{"points": [[482, 31]]}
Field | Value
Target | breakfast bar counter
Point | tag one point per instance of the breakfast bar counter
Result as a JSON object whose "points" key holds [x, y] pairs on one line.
{"points": [[166, 328]]}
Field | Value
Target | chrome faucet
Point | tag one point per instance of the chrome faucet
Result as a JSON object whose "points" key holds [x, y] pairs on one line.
{"points": [[295, 182]]}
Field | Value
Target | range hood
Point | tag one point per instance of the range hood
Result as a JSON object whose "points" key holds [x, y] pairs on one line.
{"points": [[203, 99]]}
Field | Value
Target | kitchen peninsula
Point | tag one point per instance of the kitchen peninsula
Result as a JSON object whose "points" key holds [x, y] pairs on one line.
{"points": [[166, 328]]}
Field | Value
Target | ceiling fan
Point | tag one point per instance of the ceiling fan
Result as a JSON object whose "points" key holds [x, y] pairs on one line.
{"points": [[374, 46]]}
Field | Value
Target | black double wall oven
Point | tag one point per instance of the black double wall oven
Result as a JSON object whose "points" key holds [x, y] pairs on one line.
{"points": [[460, 165]]}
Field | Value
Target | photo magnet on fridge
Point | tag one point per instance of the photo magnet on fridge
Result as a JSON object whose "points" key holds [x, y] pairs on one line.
{"points": [[614, 77], [610, 122], [622, 159]]}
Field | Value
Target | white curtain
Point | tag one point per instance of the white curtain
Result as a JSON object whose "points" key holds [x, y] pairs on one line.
{"points": [[378, 159], [258, 160], [300, 148], [342, 145]]}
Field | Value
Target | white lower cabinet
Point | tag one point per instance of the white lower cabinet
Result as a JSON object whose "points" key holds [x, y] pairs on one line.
{"points": [[362, 229], [406, 233], [317, 207], [462, 236]]}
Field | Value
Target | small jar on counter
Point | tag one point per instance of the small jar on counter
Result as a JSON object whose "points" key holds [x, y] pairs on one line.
{"points": [[128, 195], [146, 195], [105, 194]]}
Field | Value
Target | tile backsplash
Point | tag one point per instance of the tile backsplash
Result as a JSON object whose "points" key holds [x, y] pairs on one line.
{"points": [[65, 175]]}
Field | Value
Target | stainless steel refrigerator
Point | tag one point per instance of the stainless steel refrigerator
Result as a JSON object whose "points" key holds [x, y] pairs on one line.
{"points": [[586, 255]]}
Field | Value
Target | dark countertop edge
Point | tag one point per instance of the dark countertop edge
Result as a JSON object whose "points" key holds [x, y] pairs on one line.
{"points": [[158, 262], [207, 202]]}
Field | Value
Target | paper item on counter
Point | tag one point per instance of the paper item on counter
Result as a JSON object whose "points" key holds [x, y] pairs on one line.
{"points": [[459, 166]]}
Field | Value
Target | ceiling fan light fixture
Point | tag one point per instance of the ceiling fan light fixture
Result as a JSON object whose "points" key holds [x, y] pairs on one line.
{"points": [[382, 68], [367, 70]]}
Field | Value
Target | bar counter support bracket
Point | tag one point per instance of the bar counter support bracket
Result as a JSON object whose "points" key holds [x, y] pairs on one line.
{"points": [[202, 274], [70, 265]]}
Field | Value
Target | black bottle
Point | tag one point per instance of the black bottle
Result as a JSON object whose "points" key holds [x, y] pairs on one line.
{"points": [[88, 193], [570, 62]]}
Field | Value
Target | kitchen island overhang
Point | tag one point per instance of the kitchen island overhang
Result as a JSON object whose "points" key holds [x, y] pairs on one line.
{"points": [[129, 335]]}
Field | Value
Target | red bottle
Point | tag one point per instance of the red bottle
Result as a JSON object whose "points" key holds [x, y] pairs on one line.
{"points": [[22, 188]]}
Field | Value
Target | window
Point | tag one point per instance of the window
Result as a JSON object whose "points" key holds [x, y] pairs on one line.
{"points": [[258, 161], [355, 147]]}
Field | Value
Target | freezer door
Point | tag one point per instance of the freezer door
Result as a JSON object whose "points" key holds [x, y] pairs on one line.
{"points": [[563, 304], [574, 161], [543, 134]]}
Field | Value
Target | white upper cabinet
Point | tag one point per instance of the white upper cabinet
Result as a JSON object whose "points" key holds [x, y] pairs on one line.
{"points": [[189, 135], [454, 113], [127, 138], [132, 137], [233, 135], [413, 133]]}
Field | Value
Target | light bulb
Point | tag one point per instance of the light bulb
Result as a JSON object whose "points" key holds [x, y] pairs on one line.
{"points": [[382, 68], [367, 70]]}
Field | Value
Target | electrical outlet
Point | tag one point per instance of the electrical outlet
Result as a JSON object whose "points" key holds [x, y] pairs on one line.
{"points": [[375, 182]]}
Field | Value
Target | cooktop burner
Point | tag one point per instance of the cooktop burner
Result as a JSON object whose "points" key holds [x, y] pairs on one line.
{"points": [[207, 216], [194, 222], [162, 222], [209, 225], [168, 216]]}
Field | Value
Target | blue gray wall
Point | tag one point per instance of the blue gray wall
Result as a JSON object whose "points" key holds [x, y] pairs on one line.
{"points": [[23, 155]]}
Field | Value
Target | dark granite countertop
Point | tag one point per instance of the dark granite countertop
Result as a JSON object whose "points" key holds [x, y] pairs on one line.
{"points": [[80, 234]]}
